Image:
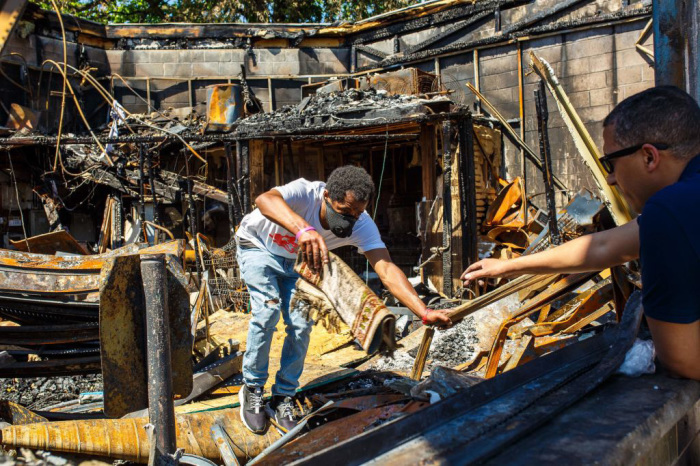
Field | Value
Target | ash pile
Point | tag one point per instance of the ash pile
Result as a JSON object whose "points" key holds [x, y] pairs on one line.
{"points": [[339, 108]]}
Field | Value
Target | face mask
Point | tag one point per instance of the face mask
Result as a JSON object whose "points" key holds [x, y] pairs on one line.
{"points": [[340, 224]]}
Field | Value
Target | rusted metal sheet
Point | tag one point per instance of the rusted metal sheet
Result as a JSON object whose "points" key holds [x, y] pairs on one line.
{"points": [[15, 414], [50, 243], [10, 12], [224, 106], [55, 275], [331, 434], [122, 335], [127, 439]]}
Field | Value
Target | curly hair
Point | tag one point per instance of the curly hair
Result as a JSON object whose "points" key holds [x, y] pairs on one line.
{"points": [[350, 178], [662, 114]]}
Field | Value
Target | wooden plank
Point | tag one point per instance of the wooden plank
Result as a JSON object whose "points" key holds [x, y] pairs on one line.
{"points": [[257, 168]]}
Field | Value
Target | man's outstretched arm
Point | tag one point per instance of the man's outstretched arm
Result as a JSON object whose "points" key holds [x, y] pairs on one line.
{"points": [[398, 285], [588, 253]]}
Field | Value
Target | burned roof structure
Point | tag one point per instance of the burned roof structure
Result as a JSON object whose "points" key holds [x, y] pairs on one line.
{"points": [[131, 152]]}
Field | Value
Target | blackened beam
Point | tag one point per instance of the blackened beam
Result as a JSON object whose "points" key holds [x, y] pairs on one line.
{"points": [[447, 162], [371, 51], [467, 192], [448, 32], [80, 140], [168, 187], [503, 38], [447, 16], [543, 14], [545, 153]]}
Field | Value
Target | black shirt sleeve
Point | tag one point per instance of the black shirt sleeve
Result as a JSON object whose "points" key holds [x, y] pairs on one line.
{"points": [[669, 267]]}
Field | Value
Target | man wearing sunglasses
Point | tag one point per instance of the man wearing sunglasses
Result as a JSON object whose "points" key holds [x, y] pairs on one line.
{"points": [[651, 142], [311, 217]]}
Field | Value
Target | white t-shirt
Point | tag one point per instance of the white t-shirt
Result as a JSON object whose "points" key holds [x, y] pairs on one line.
{"points": [[305, 198]]}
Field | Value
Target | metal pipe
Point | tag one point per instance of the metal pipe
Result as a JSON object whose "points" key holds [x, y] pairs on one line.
{"points": [[161, 410], [669, 43], [545, 153]]}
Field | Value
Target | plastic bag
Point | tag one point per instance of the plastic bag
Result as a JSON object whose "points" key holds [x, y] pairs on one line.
{"points": [[639, 360]]}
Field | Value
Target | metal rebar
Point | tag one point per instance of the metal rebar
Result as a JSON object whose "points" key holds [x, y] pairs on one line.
{"points": [[161, 411]]}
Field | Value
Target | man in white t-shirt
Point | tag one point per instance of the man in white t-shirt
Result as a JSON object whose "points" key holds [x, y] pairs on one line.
{"points": [[312, 217]]}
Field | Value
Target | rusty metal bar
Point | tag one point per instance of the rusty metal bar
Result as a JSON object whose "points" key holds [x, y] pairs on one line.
{"points": [[161, 409], [545, 153], [669, 43]]}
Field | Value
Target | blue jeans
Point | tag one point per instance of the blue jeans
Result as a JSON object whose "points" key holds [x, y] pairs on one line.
{"points": [[270, 280]]}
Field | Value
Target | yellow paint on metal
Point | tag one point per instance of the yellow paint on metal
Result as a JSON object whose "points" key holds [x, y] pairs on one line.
{"points": [[126, 439]]}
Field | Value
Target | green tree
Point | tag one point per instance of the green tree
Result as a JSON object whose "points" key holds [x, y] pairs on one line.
{"points": [[217, 11]]}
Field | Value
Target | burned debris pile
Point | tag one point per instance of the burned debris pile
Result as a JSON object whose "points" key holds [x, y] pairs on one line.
{"points": [[124, 310]]}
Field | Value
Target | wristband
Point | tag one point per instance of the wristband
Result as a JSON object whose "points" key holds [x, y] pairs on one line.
{"points": [[425, 317], [304, 230]]}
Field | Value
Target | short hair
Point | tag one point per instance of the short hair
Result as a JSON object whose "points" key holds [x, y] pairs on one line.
{"points": [[663, 114], [350, 178]]}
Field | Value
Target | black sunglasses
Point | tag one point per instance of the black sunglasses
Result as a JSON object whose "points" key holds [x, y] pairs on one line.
{"points": [[609, 167]]}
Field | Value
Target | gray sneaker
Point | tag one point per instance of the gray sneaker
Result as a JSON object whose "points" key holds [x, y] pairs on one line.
{"points": [[252, 412], [281, 409]]}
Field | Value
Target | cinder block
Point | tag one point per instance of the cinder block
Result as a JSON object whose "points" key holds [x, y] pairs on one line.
{"points": [[636, 88], [500, 81], [585, 82], [575, 67], [589, 47], [217, 55], [203, 69], [140, 56], [230, 69], [627, 36], [148, 69], [601, 62], [605, 96], [493, 66], [580, 99], [630, 57], [594, 114], [175, 69], [629, 75], [162, 56]]}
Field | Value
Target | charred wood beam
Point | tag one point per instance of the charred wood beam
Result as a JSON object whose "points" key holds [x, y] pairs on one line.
{"points": [[151, 182], [371, 51], [449, 32], [142, 206], [243, 154], [447, 16], [294, 135], [503, 38], [545, 153], [467, 191], [234, 209], [447, 208], [542, 14]]}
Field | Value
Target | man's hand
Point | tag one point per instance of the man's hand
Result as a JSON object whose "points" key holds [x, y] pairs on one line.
{"points": [[314, 250], [437, 318], [486, 268]]}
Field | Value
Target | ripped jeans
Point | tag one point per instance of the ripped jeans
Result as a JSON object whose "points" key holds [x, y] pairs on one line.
{"points": [[270, 280]]}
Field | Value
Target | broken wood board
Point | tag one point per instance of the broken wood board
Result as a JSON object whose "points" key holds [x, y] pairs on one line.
{"points": [[327, 355]]}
